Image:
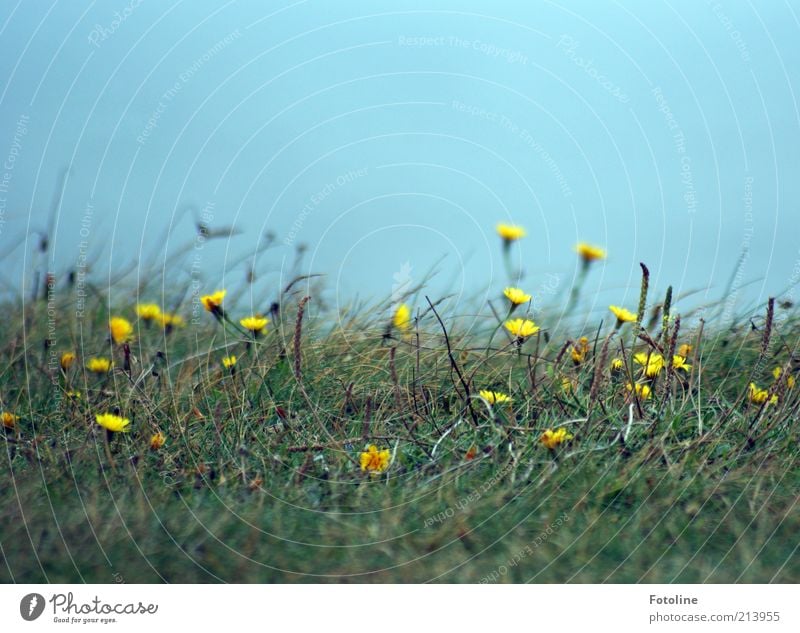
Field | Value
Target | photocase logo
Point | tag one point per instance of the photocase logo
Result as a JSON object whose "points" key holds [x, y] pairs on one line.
{"points": [[31, 606]]}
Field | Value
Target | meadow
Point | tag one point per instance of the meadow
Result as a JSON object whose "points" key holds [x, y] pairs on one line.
{"points": [[160, 441]]}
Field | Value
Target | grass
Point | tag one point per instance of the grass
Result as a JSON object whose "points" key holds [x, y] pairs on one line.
{"points": [[259, 478]]}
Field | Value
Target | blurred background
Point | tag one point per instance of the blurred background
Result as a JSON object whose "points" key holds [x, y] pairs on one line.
{"points": [[242, 144]]}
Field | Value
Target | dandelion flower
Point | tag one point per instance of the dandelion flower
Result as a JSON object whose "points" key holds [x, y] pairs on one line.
{"points": [[623, 315], [494, 397], [617, 364], [643, 392], [9, 419], [402, 318], [778, 371], [589, 253], [254, 323], [169, 320], [375, 461], [653, 363], [157, 441], [98, 365], [580, 350], [516, 296], [121, 330], [760, 396], [67, 359], [229, 362], [510, 232], [684, 350], [679, 362], [521, 328], [113, 423], [213, 302], [148, 311], [553, 439]]}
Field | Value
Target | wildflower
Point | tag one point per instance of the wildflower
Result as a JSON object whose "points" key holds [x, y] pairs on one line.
{"points": [[760, 396], [9, 419], [617, 364], [494, 397], [567, 384], [580, 350], [402, 318], [777, 372], [553, 439], [653, 363], [213, 302], [121, 330], [623, 315], [516, 296], [157, 441], [589, 253], [510, 232], [521, 328], [229, 362], [74, 395], [67, 359], [98, 365], [679, 362], [255, 324], [684, 350], [114, 423], [471, 452], [375, 461], [148, 311], [643, 392], [169, 320]]}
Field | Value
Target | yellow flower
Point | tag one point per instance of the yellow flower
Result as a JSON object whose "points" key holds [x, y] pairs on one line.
{"points": [[679, 362], [169, 320], [552, 439], [623, 315], [402, 318], [521, 328], [9, 419], [121, 330], [213, 302], [157, 441], [642, 391], [74, 395], [510, 232], [580, 350], [567, 384], [98, 365], [760, 396], [67, 358], [375, 461], [652, 362], [589, 253], [790, 382], [684, 350], [229, 362], [254, 323], [114, 423], [148, 311], [494, 397], [617, 364], [516, 296]]}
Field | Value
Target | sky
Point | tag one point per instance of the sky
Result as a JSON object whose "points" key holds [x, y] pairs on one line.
{"points": [[387, 140]]}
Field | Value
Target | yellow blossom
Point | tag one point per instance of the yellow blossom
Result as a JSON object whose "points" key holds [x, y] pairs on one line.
{"points": [[375, 461], [121, 330], [254, 323], [229, 362], [521, 328], [760, 396], [652, 362], [510, 232], [516, 296], [679, 362], [494, 397], [642, 391], [213, 302], [114, 423], [98, 365], [684, 350], [790, 381], [567, 384], [74, 395], [169, 320], [623, 315], [617, 364], [9, 419], [402, 318], [552, 439], [589, 253], [148, 311], [580, 350], [157, 441], [67, 359]]}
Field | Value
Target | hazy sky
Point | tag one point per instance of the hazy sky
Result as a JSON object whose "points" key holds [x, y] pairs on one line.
{"points": [[387, 136]]}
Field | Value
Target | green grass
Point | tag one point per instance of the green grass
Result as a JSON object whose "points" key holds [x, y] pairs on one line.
{"points": [[259, 480]]}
